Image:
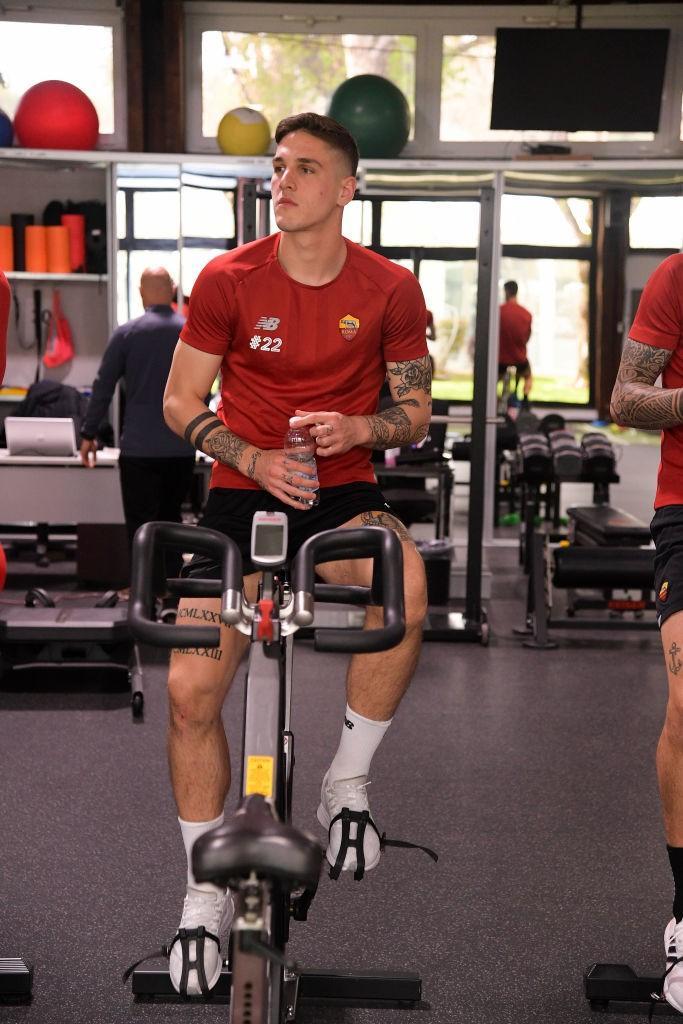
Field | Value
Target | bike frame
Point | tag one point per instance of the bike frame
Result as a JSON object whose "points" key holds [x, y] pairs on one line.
{"points": [[264, 983]]}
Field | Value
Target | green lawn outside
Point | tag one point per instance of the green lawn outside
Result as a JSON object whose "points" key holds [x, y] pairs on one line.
{"points": [[545, 389]]}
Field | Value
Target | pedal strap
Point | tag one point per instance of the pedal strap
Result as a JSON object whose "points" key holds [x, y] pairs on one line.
{"points": [[362, 819], [184, 936], [383, 841], [659, 997]]}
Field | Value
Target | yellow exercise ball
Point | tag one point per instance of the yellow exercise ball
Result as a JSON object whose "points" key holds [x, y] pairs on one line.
{"points": [[243, 132]]}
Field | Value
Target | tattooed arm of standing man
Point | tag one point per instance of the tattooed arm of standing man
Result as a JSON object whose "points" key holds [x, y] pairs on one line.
{"points": [[189, 381], [406, 421], [636, 402]]}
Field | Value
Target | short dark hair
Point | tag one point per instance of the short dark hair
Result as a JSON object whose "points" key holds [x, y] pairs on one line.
{"points": [[511, 289], [325, 128]]}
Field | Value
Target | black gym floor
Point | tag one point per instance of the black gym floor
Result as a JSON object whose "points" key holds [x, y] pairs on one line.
{"points": [[531, 773]]}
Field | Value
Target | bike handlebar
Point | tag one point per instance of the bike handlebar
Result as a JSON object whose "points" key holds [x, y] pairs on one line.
{"points": [[365, 542], [187, 538], [378, 543]]}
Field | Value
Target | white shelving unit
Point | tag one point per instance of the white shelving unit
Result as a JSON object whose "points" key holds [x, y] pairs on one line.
{"points": [[25, 275]]}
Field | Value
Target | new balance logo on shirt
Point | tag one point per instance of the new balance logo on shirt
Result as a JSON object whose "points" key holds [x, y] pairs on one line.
{"points": [[267, 323]]}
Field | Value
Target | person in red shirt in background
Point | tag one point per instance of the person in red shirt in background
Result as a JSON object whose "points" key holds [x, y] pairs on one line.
{"points": [[655, 347], [514, 333], [5, 299], [306, 324]]}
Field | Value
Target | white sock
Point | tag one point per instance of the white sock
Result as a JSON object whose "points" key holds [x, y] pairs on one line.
{"points": [[360, 738], [191, 831]]}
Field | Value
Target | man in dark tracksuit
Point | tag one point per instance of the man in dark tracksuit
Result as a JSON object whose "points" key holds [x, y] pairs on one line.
{"points": [[156, 465]]}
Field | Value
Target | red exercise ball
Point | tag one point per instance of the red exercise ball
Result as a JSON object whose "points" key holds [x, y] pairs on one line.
{"points": [[56, 115], [3, 567]]}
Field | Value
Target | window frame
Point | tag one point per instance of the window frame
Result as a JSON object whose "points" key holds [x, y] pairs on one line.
{"points": [[434, 23], [104, 13]]}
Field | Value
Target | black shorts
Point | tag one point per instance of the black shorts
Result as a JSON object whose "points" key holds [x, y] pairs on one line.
{"points": [[230, 511], [521, 368], [667, 533]]}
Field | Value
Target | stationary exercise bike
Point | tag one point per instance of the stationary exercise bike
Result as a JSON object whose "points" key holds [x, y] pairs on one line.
{"points": [[272, 868]]}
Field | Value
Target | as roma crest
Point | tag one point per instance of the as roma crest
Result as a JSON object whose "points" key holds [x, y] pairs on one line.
{"points": [[348, 327]]}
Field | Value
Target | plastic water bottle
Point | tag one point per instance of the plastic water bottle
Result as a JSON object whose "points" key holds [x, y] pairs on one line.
{"points": [[299, 446]]}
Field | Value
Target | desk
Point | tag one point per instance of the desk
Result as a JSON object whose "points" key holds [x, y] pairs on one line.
{"points": [[439, 471], [60, 489]]}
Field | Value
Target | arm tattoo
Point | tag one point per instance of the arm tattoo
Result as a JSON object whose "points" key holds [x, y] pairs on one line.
{"points": [[226, 447], [223, 445], [251, 468], [193, 424], [393, 427], [636, 402], [412, 375]]}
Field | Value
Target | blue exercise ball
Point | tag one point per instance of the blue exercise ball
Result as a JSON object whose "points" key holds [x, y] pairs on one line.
{"points": [[376, 113], [6, 130]]}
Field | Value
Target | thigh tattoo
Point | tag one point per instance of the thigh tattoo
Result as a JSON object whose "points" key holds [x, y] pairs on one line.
{"points": [[384, 519], [200, 615]]}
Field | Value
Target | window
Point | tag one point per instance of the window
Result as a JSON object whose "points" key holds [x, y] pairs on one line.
{"points": [[543, 220], [281, 58], [466, 91], [656, 222], [424, 223], [357, 223], [450, 291], [284, 72], [40, 44]]}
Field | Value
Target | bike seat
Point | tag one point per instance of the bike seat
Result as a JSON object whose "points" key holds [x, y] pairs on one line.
{"points": [[254, 840]]}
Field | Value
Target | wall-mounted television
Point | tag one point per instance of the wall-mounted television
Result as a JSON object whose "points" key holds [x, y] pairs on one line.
{"points": [[571, 80]]}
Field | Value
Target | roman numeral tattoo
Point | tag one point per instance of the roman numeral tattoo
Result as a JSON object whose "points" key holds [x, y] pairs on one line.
{"points": [[215, 653], [199, 614]]}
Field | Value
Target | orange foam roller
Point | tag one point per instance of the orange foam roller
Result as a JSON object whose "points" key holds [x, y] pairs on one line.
{"points": [[75, 222], [58, 249], [36, 248], [6, 248]]}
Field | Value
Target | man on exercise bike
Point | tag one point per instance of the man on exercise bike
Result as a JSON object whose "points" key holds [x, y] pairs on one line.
{"points": [[301, 323], [654, 347]]}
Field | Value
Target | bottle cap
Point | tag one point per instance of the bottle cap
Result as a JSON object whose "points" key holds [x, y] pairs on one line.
{"points": [[293, 420]]}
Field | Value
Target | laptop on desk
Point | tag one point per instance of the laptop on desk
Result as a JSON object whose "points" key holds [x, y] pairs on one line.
{"points": [[40, 435]]}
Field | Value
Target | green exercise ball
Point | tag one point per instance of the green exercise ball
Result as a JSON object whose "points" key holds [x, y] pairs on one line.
{"points": [[376, 113]]}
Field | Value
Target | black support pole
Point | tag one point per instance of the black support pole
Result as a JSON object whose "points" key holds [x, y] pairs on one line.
{"points": [[475, 519]]}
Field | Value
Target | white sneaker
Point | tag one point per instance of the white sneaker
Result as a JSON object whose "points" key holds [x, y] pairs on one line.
{"points": [[350, 796], [672, 988], [205, 923]]}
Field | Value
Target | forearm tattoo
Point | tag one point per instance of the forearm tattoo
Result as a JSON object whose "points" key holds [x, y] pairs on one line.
{"points": [[384, 519], [251, 468], [636, 402], [222, 445], [226, 447], [193, 424], [393, 427]]}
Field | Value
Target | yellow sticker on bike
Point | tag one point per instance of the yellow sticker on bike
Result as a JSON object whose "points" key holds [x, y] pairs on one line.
{"points": [[260, 776]]}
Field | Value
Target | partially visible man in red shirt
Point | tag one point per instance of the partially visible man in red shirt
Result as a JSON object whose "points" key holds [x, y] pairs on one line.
{"points": [[515, 331], [655, 347]]}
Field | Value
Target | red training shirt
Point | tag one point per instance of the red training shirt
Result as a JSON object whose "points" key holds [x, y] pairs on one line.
{"points": [[5, 298], [289, 346], [515, 330], [659, 322]]}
